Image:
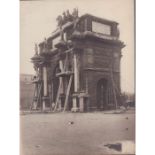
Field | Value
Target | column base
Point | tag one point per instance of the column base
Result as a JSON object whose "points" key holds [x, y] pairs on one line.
{"points": [[75, 108], [81, 104], [43, 106], [82, 101], [59, 108], [34, 106], [45, 99]]}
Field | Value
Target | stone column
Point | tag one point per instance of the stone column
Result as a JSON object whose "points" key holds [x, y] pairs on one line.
{"points": [[86, 84], [45, 92], [75, 73], [76, 83], [35, 97], [61, 88], [81, 102], [36, 89]]}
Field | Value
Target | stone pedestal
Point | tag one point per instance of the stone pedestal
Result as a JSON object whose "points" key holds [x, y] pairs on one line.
{"points": [[82, 96], [45, 100], [44, 105], [81, 103], [34, 106], [74, 101], [59, 105]]}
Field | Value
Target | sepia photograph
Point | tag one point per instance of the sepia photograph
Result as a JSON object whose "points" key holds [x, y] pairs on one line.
{"points": [[77, 77]]}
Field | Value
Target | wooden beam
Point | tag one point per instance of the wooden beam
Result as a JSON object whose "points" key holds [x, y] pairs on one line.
{"points": [[58, 95], [64, 73], [68, 91]]}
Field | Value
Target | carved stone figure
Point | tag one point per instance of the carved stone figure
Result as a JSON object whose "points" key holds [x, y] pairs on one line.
{"points": [[64, 20], [36, 49], [60, 20], [69, 16], [75, 13]]}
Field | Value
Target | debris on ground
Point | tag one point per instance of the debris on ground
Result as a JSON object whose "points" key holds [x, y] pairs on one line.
{"points": [[116, 146], [71, 123], [124, 147], [37, 146]]}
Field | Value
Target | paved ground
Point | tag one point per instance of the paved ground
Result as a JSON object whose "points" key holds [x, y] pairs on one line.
{"points": [[53, 134]]}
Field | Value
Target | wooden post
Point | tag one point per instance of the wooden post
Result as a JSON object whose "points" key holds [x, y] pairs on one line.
{"points": [[68, 91], [60, 78], [58, 96]]}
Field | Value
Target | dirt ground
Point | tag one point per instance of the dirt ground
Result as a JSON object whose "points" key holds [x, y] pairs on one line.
{"points": [[75, 133]]}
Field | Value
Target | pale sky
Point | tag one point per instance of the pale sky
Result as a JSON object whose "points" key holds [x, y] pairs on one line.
{"points": [[38, 20]]}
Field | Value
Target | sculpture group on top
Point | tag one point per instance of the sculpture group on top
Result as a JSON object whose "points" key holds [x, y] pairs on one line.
{"points": [[67, 16]]}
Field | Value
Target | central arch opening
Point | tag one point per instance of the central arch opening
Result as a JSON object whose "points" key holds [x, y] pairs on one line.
{"points": [[101, 94]]}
